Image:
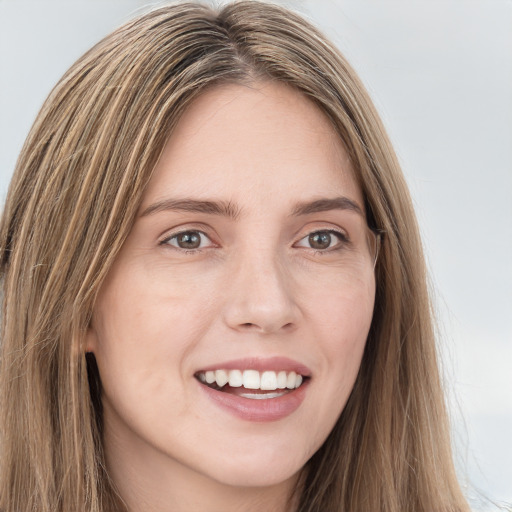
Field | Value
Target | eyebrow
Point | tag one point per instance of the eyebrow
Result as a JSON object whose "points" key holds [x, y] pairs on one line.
{"points": [[223, 208], [324, 205], [230, 210]]}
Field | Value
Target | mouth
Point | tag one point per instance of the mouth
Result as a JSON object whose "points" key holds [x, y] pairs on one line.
{"points": [[252, 384]]}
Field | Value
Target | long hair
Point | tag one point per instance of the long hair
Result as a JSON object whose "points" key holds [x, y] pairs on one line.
{"points": [[71, 204]]}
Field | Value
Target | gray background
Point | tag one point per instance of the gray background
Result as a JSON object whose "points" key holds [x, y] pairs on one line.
{"points": [[440, 73]]}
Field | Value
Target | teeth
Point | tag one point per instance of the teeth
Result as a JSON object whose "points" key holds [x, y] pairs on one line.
{"points": [[268, 381], [265, 396], [252, 379], [221, 377], [290, 381], [235, 378]]}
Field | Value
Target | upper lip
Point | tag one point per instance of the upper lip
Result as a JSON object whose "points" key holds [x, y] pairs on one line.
{"points": [[260, 364]]}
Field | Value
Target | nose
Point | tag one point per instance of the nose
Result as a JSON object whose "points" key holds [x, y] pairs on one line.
{"points": [[261, 296]]}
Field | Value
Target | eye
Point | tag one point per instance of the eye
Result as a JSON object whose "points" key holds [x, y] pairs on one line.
{"points": [[323, 240], [188, 240]]}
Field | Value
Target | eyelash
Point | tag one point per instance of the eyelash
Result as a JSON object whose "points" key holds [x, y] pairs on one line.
{"points": [[167, 240], [343, 240]]}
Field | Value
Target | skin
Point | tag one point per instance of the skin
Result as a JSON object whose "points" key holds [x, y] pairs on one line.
{"points": [[255, 287]]}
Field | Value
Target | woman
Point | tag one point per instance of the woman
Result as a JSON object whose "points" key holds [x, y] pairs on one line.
{"points": [[197, 315]]}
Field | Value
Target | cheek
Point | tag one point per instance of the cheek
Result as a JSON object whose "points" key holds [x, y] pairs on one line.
{"points": [[343, 320], [343, 310], [144, 331], [340, 318], [144, 328], [143, 303]]}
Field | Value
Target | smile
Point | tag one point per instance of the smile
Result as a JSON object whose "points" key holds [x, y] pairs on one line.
{"points": [[254, 388], [252, 384]]}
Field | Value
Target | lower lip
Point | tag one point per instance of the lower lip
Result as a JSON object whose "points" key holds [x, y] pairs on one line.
{"points": [[260, 410]]}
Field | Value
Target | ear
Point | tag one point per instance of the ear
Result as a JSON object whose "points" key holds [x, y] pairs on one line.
{"points": [[91, 339]]}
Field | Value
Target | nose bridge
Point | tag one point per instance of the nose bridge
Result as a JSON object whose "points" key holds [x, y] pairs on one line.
{"points": [[261, 294]]}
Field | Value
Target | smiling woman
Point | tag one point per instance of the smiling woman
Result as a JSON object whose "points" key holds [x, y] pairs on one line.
{"points": [[203, 312], [197, 311]]}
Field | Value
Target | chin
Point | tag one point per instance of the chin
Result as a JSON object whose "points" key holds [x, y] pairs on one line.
{"points": [[257, 477], [257, 471]]}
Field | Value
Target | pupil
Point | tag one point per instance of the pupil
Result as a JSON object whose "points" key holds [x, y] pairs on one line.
{"points": [[189, 240], [320, 240]]}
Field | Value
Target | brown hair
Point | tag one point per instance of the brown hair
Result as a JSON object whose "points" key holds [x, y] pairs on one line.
{"points": [[71, 204]]}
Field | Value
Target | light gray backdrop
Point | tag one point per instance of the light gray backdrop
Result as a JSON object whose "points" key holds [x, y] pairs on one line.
{"points": [[440, 72]]}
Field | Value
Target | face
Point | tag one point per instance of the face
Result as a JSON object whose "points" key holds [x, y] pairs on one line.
{"points": [[230, 330]]}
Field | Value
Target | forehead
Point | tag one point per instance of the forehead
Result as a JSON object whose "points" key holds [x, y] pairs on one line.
{"points": [[263, 141]]}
